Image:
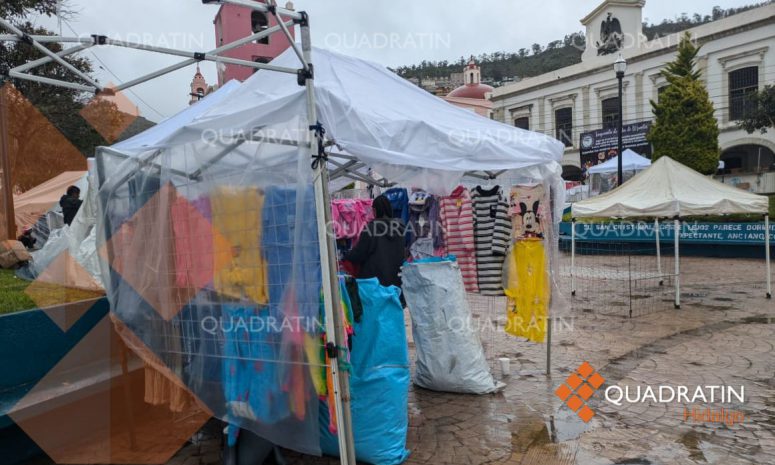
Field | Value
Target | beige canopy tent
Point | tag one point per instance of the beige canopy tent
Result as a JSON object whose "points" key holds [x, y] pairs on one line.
{"points": [[36, 202], [669, 189]]}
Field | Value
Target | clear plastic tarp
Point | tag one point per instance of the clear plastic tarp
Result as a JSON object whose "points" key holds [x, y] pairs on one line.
{"points": [[212, 255]]}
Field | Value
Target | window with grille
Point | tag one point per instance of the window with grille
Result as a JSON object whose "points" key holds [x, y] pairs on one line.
{"points": [[259, 22], [522, 123], [610, 112], [563, 126], [742, 84]]}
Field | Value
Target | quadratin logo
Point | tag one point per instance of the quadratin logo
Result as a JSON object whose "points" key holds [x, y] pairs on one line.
{"points": [[578, 388]]}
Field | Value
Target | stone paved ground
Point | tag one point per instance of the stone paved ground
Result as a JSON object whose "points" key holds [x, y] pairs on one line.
{"points": [[722, 335]]}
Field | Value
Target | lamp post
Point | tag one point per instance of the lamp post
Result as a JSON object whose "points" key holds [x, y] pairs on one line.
{"points": [[620, 66]]}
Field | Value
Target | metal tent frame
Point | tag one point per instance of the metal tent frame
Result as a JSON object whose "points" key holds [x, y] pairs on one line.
{"points": [[314, 141], [677, 260]]}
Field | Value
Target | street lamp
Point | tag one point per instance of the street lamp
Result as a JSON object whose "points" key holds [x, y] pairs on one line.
{"points": [[620, 66]]}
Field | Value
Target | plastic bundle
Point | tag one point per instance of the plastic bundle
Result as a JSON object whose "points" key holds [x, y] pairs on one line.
{"points": [[379, 381], [450, 357]]}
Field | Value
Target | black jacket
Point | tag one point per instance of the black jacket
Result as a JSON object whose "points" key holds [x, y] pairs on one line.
{"points": [[380, 251], [70, 206]]}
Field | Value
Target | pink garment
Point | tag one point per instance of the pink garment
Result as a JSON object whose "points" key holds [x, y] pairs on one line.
{"points": [[457, 219], [350, 216], [193, 243]]}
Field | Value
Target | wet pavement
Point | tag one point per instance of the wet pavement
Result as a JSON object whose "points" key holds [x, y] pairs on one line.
{"points": [[723, 334]]}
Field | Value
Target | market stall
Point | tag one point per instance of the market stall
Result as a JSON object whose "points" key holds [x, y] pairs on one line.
{"points": [[603, 177], [231, 212], [674, 191]]}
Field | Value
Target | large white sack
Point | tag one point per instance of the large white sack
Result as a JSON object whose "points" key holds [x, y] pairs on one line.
{"points": [[450, 357]]}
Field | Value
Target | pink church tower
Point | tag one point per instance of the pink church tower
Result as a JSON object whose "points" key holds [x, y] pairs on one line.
{"points": [[236, 22]]}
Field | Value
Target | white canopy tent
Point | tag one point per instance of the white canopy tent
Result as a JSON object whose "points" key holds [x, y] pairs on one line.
{"points": [[631, 161], [669, 189], [352, 116]]}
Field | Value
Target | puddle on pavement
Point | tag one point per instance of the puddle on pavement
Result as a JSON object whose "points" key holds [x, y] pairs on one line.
{"points": [[692, 440], [638, 461], [565, 426]]}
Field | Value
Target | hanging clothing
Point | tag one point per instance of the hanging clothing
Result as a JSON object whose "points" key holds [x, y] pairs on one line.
{"points": [[351, 286], [239, 265], [492, 231], [529, 211], [528, 290], [290, 245], [193, 243], [399, 199], [424, 221], [380, 251], [350, 216], [457, 221], [252, 362]]}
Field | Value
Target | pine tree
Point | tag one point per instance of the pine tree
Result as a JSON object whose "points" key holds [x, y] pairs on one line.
{"points": [[685, 129]]}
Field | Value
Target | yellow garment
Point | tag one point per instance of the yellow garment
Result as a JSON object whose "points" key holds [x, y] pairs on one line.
{"points": [[313, 347], [528, 290], [240, 268]]}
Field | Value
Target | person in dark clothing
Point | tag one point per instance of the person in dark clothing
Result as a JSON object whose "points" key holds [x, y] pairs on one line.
{"points": [[381, 248], [27, 239], [70, 203]]}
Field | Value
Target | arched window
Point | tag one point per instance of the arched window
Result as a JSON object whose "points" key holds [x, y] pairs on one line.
{"points": [[259, 22]]}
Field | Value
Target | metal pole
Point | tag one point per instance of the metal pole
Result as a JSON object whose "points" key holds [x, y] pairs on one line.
{"points": [[573, 256], [659, 252], [5, 164], [51, 54], [767, 254], [677, 234], [331, 299], [549, 344], [620, 172]]}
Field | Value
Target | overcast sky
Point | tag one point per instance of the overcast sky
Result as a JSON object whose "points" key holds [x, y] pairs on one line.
{"points": [[393, 33]]}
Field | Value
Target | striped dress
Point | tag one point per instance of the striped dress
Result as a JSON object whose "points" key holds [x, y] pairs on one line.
{"points": [[457, 221], [492, 234]]}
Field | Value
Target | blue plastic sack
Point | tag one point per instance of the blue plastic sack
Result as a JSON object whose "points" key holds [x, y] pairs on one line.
{"points": [[379, 382]]}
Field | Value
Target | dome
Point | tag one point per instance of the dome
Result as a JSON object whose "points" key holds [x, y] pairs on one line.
{"points": [[476, 91]]}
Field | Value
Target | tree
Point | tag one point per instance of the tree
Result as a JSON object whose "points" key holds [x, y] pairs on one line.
{"points": [[36, 107], [536, 49], [685, 128], [762, 115]]}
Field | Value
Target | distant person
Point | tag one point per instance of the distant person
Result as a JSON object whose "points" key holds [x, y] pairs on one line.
{"points": [[70, 203], [27, 239], [380, 250]]}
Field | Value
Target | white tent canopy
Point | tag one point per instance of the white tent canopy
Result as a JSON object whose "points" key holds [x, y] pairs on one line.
{"points": [[631, 161], [668, 189], [161, 131], [379, 118]]}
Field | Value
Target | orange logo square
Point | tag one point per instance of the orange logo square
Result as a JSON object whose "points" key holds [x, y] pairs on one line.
{"points": [[578, 388]]}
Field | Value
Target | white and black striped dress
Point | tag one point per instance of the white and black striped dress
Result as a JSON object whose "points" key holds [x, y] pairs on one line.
{"points": [[492, 233]]}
